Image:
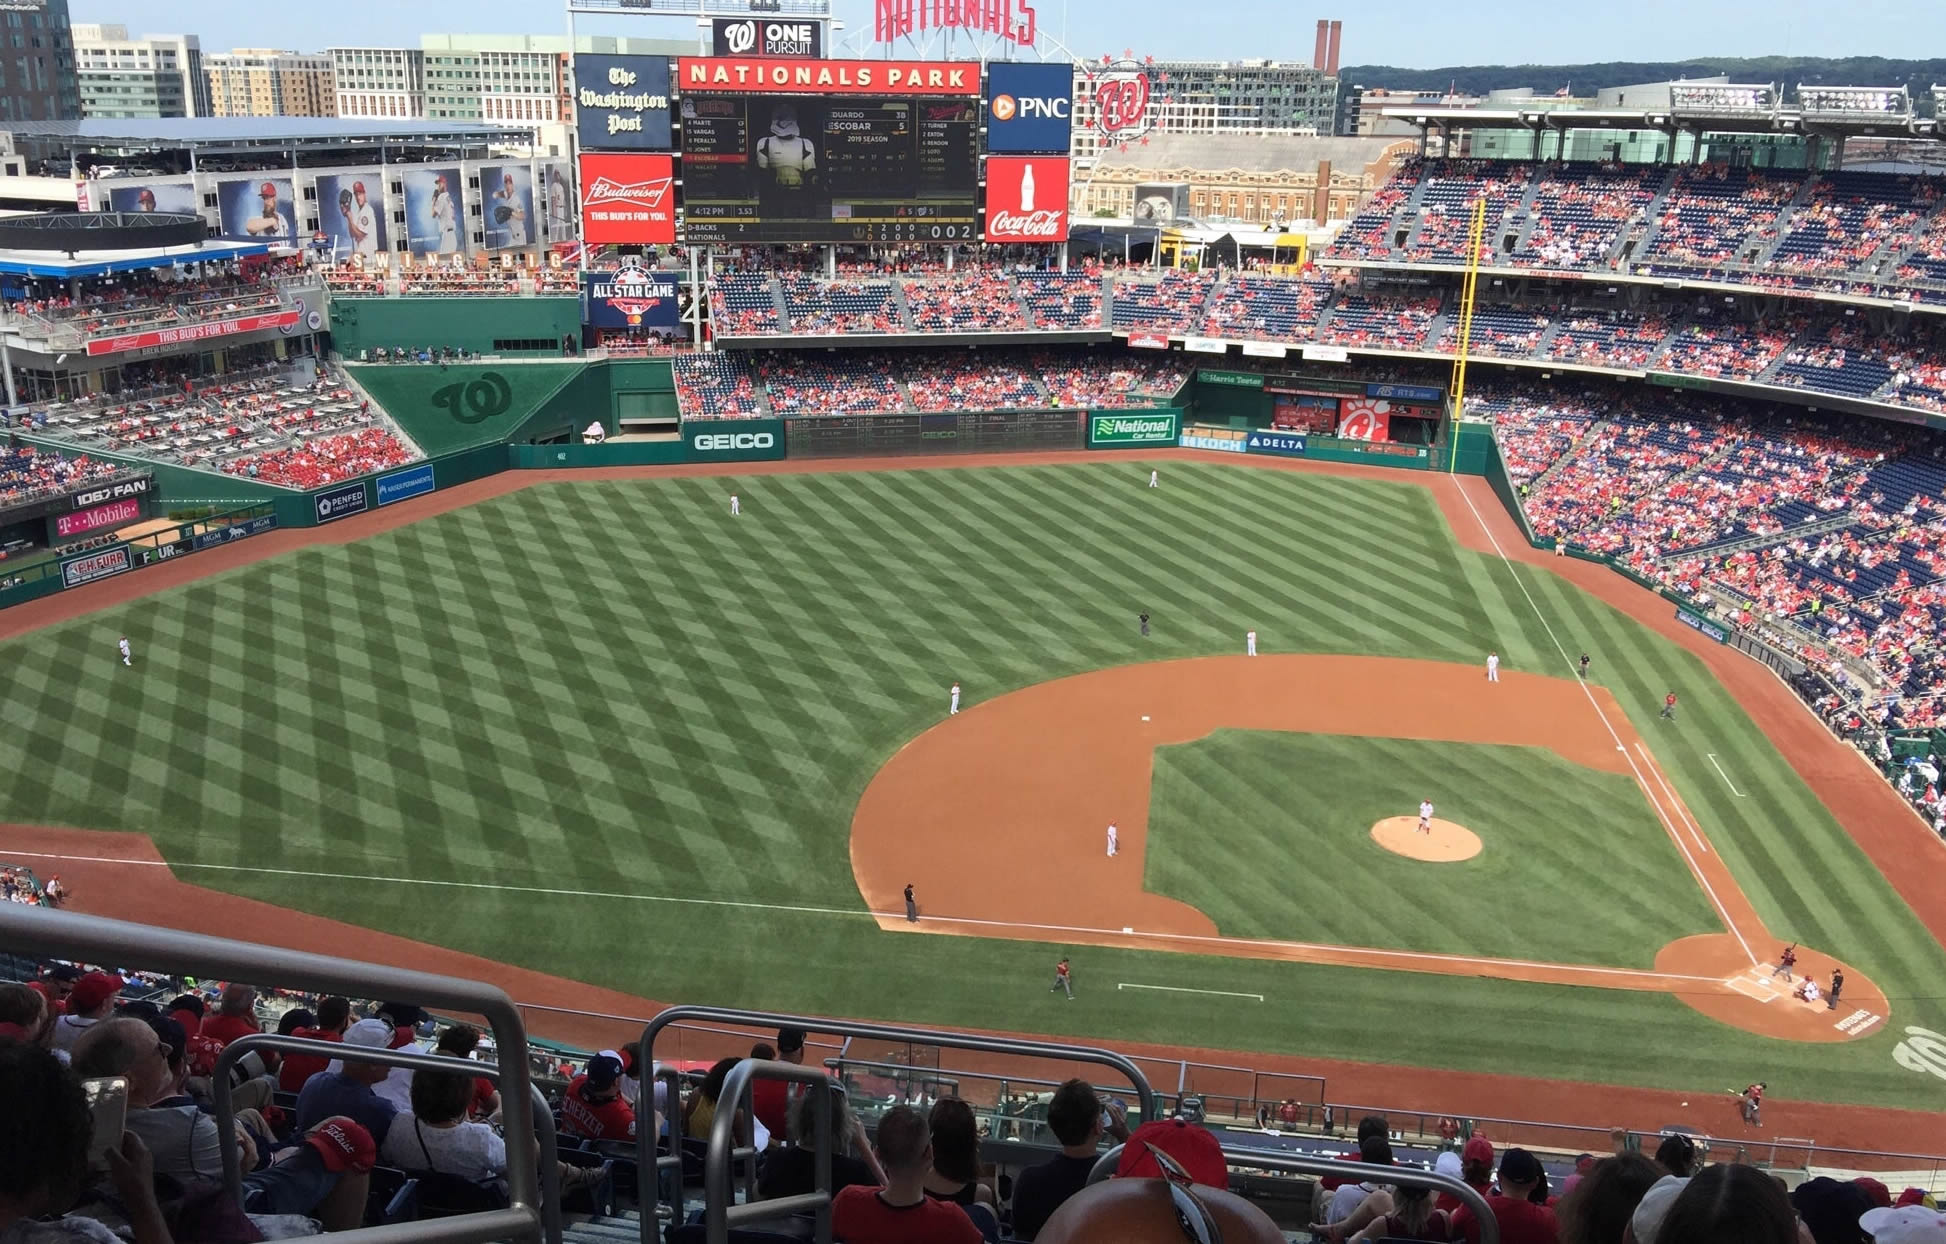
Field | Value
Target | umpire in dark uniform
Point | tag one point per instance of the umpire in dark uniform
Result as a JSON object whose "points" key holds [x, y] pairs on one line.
{"points": [[911, 908]]}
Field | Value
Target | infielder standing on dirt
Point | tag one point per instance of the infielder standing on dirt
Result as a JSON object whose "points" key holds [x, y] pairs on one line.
{"points": [[1250, 643], [1493, 667], [1425, 816], [128, 658], [1114, 840]]}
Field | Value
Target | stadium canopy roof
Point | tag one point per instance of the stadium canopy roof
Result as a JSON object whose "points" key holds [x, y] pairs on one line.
{"points": [[60, 266], [217, 135], [1861, 124]]}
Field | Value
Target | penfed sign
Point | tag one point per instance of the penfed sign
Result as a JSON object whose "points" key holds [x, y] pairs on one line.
{"points": [[1134, 430]]}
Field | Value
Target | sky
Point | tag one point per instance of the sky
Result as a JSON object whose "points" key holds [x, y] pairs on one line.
{"points": [[1419, 34]]}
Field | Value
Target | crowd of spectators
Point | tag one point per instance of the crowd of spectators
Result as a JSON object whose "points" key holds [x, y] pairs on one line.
{"points": [[460, 282], [1447, 202], [1094, 379], [1171, 304], [141, 301], [321, 460], [716, 385], [971, 381], [840, 308], [1579, 214], [1373, 323], [967, 300], [847, 382], [29, 474]]}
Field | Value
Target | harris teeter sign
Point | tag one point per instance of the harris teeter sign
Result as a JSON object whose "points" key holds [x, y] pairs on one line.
{"points": [[1133, 430]]}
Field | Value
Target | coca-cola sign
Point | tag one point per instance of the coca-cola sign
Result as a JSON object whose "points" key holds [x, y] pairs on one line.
{"points": [[1027, 199]]}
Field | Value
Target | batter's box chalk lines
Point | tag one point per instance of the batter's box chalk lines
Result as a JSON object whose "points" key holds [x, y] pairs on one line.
{"points": [[1760, 990], [1726, 777], [1214, 993]]}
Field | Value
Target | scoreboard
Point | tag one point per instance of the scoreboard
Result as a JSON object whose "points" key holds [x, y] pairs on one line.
{"points": [[857, 165]]}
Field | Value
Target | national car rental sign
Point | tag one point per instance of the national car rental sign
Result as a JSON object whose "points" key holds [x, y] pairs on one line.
{"points": [[1027, 199]]}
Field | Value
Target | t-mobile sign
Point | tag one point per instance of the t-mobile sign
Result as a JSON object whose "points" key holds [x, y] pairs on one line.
{"points": [[115, 512], [1027, 199]]}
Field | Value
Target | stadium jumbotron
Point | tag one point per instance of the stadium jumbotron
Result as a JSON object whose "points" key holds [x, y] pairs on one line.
{"points": [[732, 590]]}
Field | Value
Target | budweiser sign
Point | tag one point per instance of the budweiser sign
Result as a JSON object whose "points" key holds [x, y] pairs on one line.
{"points": [[627, 199], [1027, 199], [191, 332]]}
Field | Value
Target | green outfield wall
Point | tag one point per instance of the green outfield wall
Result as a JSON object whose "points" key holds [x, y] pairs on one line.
{"points": [[511, 326]]}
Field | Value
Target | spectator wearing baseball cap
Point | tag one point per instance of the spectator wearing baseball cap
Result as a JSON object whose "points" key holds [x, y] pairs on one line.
{"points": [[1830, 1209], [1645, 1224], [88, 1003], [1193, 1147], [1904, 1224], [1475, 1171], [345, 1087], [1520, 1207], [593, 1106]]}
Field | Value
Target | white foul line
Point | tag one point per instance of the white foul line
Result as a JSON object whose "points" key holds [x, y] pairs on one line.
{"points": [[1726, 777], [1621, 747], [857, 914], [1655, 770], [1216, 993]]}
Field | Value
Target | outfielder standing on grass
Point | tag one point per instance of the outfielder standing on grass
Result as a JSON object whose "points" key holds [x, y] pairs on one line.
{"points": [[127, 657], [1669, 706], [1061, 981]]}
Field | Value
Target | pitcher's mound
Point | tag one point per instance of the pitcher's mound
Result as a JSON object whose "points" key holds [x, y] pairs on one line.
{"points": [[1446, 844]]}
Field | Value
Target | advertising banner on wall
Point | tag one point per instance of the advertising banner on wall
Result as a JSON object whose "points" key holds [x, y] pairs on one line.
{"points": [[258, 209], [1027, 199], [734, 440], [91, 566], [507, 191], [434, 214], [557, 194], [1364, 419], [621, 103], [199, 331], [114, 514], [748, 36], [788, 76], [628, 199], [153, 196], [1132, 431], [1030, 106], [632, 297], [351, 212]]}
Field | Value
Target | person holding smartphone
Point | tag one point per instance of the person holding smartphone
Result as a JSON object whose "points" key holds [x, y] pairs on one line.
{"points": [[1078, 1118], [45, 1154]]}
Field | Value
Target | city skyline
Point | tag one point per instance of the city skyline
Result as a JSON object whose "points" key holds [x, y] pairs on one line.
{"points": [[1403, 33]]}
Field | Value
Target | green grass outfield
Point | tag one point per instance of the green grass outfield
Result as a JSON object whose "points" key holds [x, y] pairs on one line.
{"points": [[615, 688], [1269, 835]]}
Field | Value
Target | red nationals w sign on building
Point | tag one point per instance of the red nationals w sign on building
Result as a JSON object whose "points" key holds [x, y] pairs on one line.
{"points": [[1012, 20], [628, 198], [1027, 199]]}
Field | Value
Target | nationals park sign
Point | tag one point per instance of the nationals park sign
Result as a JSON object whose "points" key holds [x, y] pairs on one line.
{"points": [[1133, 431]]}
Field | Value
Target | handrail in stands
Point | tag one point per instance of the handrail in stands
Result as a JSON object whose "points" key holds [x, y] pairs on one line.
{"points": [[718, 1214], [549, 1160], [645, 1137], [1337, 1168], [96, 939]]}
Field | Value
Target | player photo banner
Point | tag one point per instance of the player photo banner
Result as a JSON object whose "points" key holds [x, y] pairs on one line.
{"points": [[628, 199], [155, 196], [1027, 199], [782, 76], [351, 212], [747, 36], [507, 196], [557, 193], [621, 103], [258, 209], [632, 296], [434, 212]]}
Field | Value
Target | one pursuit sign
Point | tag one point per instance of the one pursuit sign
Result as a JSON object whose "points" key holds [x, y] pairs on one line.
{"points": [[1128, 431]]}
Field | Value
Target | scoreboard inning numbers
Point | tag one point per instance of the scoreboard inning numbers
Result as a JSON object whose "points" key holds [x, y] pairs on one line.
{"points": [[829, 168]]}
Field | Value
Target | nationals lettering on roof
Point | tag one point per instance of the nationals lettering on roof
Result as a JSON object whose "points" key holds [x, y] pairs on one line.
{"points": [[838, 77]]}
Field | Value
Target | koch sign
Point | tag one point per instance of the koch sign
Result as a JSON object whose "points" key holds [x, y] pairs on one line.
{"points": [[1029, 107], [621, 103], [748, 36]]}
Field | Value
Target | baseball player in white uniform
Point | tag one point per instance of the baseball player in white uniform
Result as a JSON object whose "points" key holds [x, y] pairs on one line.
{"points": [[445, 216], [1250, 643], [1155, 480], [363, 222], [1493, 667], [1425, 816], [955, 707], [736, 506], [128, 658], [1114, 844]]}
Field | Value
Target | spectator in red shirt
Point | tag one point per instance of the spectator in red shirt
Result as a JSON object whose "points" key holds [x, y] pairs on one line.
{"points": [[460, 1041], [1476, 1172], [1520, 1207], [901, 1212], [1370, 1125], [334, 1016], [594, 1107], [770, 1099], [25, 1016], [236, 1015], [188, 1010]]}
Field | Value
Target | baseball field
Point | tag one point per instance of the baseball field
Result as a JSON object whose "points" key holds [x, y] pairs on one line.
{"points": [[600, 729]]}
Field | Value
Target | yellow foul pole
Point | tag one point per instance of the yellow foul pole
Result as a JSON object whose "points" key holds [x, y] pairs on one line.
{"points": [[1456, 390]]}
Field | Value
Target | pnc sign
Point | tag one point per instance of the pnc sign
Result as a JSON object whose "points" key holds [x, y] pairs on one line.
{"points": [[1030, 108]]}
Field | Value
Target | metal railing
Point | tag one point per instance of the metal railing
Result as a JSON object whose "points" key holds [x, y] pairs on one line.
{"points": [[645, 1137], [94, 939], [719, 1216], [548, 1165], [1361, 1172]]}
